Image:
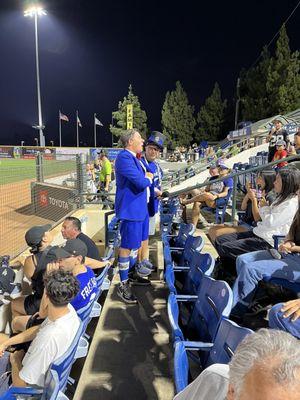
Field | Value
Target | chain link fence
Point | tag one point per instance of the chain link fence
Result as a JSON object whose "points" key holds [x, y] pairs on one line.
{"points": [[35, 192]]}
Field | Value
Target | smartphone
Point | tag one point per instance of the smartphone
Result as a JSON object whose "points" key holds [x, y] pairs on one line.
{"points": [[275, 254]]}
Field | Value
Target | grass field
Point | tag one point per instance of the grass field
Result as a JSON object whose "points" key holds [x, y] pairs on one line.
{"points": [[14, 170]]}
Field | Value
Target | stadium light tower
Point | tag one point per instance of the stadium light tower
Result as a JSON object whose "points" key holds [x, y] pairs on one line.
{"points": [[35, 12]]}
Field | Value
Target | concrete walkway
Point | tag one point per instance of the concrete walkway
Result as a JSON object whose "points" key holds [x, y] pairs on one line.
{"points": [[130, 356]]}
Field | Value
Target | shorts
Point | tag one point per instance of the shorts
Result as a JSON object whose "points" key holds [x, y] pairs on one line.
{"points": [[133, 233], [32, 304]]}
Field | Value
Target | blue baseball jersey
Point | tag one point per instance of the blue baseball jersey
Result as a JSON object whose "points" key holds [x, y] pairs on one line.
{"points": [[155, 169], [87, 290]]}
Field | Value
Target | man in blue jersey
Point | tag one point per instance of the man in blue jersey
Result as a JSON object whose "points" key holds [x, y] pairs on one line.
{"points": [[71, 258], [132, 182], [153, 146]]}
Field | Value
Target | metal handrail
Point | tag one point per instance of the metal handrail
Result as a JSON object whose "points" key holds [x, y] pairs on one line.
{"points": [[235, 176], [204, 161]]}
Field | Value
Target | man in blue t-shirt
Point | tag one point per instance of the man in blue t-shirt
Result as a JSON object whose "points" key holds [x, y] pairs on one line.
{"points": [[71, 258]]}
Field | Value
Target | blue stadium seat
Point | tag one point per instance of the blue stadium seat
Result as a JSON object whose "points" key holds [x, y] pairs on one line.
{"points": [[183, 256], [220, 210], [184, 231], [212, 302], [199, 265], [228, 337]]}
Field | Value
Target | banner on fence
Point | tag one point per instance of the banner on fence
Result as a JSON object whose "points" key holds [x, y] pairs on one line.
{"points": [[30, 152], [52, 202], [6, 152]]}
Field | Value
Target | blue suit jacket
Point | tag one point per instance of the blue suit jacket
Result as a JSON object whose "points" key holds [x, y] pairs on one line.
{"points": [[131, 196]]}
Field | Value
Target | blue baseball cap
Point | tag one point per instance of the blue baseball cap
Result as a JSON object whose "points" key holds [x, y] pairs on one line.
{"points": [[156, 138]]}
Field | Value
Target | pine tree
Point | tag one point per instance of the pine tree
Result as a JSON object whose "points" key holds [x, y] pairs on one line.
{"points": [[211, 116], [283, 80], [178, 117], [120, 116], [255, 102]]}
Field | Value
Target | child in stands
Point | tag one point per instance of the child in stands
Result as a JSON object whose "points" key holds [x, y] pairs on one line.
{"points": [[280, 153]]}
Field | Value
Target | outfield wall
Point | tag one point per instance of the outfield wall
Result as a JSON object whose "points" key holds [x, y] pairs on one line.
{"points": [[54, 153]]}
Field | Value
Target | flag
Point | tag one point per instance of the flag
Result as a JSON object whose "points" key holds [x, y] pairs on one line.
{"points": [[98, 122], [78, 122], [63, 117]]}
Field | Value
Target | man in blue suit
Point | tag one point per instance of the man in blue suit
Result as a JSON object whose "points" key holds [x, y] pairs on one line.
{"points": [[131, 206]]}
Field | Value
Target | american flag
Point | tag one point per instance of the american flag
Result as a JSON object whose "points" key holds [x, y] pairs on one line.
{"points": [[63, 117]]}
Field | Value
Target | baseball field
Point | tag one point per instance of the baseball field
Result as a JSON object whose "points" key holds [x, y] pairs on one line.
{"points": [[16, 214], [15, 170]]}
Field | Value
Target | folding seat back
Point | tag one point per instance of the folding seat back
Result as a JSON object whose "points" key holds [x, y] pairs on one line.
{"points": [[85, 313], [100, 278], [192, 244], [213, 303], [228, 337], [181, 367], [201, 264], [184, 231], [63, 365]]}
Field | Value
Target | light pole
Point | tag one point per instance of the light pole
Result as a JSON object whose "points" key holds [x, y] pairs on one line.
{"points": [[36, 12], [36, 141], [237, 103], [22, 142], [52, 143]]}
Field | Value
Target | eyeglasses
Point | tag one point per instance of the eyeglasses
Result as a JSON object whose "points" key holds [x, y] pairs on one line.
{"points": [[153, 148]]}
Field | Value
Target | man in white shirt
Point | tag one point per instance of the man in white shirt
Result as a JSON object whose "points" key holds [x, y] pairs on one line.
{"points": [[52, 338], [265, 366]]}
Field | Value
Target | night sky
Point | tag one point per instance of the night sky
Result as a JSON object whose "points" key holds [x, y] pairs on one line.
{"points": [[90, 50]]}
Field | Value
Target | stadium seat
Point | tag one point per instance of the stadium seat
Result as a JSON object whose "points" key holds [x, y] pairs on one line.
{"points": [[220, 210], [184, 231], [228, 337], [183, 256], [199, 265], [212, 302]]}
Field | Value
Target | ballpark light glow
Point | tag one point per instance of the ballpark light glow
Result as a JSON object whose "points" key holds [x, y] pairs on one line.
{"points": [[35, 12]]}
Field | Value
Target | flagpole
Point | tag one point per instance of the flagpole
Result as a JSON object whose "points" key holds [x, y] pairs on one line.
{"points": [[59, 125], [95, 130], [77, 130]]}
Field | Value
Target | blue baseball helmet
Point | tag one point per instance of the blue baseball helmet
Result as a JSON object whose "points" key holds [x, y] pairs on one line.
{"points": [[156, 138]]}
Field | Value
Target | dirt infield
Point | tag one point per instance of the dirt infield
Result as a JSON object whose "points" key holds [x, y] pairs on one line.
{"points": [[16, 216]]}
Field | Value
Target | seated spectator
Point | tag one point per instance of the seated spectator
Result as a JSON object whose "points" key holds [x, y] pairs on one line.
{"points": [[261, 265], [71, 229], [294, 148], [50, 340], [265, 366], [70, 257], [251, 204], [286, 317], [216, 193], [275, 220], [39, 238], [280, 153]]}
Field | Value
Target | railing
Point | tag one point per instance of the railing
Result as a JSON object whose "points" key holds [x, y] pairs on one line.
{"points": [[199, 166], [235, 177]]}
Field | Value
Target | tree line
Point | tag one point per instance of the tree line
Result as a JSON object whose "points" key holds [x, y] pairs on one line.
{"points": [[270, 87]]}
